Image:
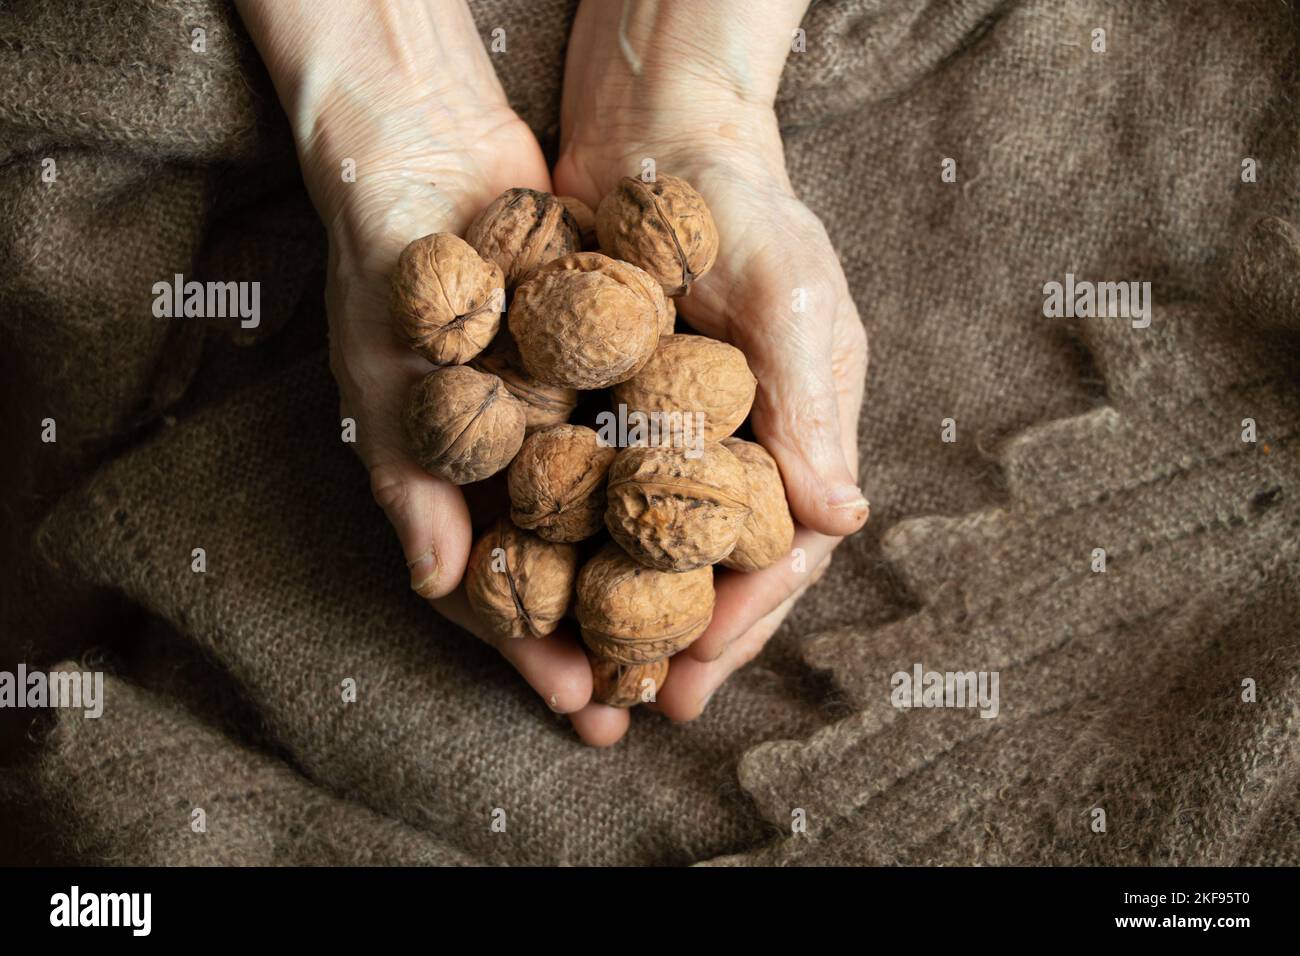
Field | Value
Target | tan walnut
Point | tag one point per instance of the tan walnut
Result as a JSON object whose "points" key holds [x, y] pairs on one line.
{"points": [[676, 509], [585, 219], [543, 404], [662, 226], [670, 320], [626, 685], [462, 424], [689, 376], [522, 229], [768, 532], [631, 614], [557, 483], [519, 584], [446, 301], [586, 321]]}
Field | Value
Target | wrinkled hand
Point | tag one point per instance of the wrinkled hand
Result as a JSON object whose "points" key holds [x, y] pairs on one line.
{"points": [[430, 150], [777, 292]]}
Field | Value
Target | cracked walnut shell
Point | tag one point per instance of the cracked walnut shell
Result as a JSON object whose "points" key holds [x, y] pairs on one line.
{"points": [[519, 584], [662, 226], [522, 229], [462, 424], [631, 614], [768, 532], [690, 375], [626, 685], [557, 483], [674, 509], [445, 299], [586, 321]]}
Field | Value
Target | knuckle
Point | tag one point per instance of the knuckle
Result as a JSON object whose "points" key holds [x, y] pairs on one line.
{"points": [[390, 491]]}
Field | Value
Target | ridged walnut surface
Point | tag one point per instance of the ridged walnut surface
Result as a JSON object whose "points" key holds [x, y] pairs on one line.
{"points": [[664, 227], [543, 404], [633, 615], [463, 425], [522, 229], [672, 512], [445, 299], [586, 321], [519, 584], [690, 374], [768, 532], [557, 483], [623, 685]]}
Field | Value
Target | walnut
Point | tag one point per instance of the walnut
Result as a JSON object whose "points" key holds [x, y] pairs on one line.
{"points": [[519, 584], [626, 685], [768, 532], [543, 404], [522, 229], [687, 376], [664, 227], [676, 509], [586, 321], [670, 321], [585, 220], [631, 614], [463, 425], [557, 483], [446, 301]]}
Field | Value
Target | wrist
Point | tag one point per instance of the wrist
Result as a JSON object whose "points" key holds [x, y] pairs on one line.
{"points": [[663, 49], [647, 79], [376, 91]]}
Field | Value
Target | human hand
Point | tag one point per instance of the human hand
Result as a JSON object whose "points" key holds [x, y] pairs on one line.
{"points": [[410, 102], [699, 105]]}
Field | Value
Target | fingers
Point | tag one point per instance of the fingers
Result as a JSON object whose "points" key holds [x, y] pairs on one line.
{"points": [[555, 666], [599, 725], [742, 600], [691, 682], [427, 513], [810, 365], [430, 519]]}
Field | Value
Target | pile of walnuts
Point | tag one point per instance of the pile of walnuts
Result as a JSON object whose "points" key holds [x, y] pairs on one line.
{"points": [[626, 536]]}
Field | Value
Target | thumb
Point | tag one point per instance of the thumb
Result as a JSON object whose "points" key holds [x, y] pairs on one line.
{"points": [[375, 374], [431, 521], [810, 366]]}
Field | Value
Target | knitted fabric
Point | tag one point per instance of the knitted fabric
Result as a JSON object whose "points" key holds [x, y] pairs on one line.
{"points": [[1121, 690]]}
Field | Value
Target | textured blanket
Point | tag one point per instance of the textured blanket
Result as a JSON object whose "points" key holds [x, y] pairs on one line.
{"points": [[1103, 515]]}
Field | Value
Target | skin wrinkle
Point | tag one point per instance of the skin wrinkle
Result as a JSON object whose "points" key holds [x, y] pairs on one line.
{"points": [[701, 107], [715, 57], [609, 120]]}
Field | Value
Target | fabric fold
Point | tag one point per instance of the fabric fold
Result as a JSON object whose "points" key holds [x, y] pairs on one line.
{"points": [[146, 784]]}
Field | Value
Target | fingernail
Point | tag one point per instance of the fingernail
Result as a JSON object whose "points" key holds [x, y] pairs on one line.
{"points": [[555, 704], [845, 496], [707, 697], [424, 573], [848, 498]]}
